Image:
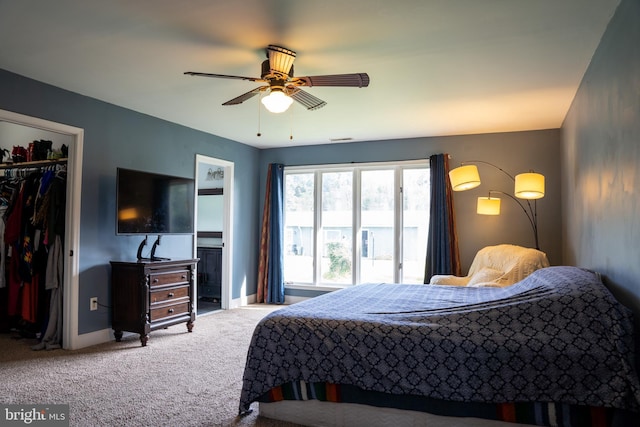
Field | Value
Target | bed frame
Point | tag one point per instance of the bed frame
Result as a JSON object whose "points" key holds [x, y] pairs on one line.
{"points": [[322, 414]]}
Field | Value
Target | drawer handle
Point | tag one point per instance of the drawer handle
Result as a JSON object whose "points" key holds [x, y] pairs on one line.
{"points": [[184, 276], [170, 294], [155, 280], [171, 310]]}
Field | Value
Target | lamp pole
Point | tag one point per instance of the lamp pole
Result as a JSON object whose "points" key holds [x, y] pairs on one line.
{"points": [[532, 214]]}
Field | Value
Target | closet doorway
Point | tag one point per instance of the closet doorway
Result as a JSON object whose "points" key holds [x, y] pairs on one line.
{"points": [[71, 244], [214, 227]]}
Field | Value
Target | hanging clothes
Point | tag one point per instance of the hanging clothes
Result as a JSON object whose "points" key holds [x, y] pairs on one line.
{"points": [[11, 237], [3, 247], [52, 337], [53, 205], [32, 212]]}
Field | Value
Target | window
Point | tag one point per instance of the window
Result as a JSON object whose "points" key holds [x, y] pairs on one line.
{"points": [[348, 224], [377, 221]]}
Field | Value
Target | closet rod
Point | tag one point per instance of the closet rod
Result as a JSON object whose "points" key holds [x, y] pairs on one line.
{"points": [[37, 163]]}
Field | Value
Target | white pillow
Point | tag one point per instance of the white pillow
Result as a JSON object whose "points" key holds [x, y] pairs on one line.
{"points": [[486, 276]]}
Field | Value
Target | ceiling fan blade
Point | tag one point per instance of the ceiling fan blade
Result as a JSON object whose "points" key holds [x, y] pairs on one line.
{"points": [[343, 80], [309, 101], [280, 59], [240, 99], [224, 76]]}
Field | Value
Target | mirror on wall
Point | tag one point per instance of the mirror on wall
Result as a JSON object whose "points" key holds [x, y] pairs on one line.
{"points": [[210, 217], [210, 213], [210, 205]]}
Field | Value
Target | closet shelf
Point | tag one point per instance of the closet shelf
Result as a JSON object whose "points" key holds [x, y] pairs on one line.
{"points": [[36, 163]]}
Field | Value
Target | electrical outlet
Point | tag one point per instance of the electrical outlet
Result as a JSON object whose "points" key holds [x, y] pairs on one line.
{"points": [[93, 303]]}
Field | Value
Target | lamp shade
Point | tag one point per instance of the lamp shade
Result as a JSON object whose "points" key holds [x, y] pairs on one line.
{"points": [[464, 177], [529, 185], [488, 206], [277, 101]]}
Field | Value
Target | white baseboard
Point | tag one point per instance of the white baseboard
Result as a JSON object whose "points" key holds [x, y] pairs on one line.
{"points": [[251, 299], [289, 299], [242, 301], [106, 335], [92, 338]]}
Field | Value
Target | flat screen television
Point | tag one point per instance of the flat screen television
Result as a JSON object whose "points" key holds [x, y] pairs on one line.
{"points": [[151, 203]]}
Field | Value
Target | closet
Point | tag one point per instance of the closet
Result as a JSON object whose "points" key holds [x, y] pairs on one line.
{"points": [[33, 187], [32, 209]]}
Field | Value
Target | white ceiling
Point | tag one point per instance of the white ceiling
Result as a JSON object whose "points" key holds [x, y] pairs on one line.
{"points": [[437, 67]]}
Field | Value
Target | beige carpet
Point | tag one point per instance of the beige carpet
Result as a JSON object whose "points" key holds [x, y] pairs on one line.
{"points": [[178, 379]]}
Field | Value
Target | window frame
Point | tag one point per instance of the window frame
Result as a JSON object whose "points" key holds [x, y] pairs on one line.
{"points": [[356, 169]]}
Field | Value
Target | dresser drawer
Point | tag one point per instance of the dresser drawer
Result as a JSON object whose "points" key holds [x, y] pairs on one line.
{"points": [[169, 278], [169, 294], [158, 313]]}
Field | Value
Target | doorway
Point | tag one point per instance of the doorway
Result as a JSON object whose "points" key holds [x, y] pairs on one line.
{"points": [[70, 337], [214, 226]]}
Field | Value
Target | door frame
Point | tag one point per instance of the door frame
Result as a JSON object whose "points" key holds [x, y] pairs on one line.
{"points": [[227, 223], [71, 256]]}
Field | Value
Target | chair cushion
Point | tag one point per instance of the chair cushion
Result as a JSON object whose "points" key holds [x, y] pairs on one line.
{"points": [[487, 276]]}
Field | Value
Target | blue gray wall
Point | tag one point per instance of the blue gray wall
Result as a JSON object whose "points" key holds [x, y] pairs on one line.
{"points": [[601, 158], [117, 137], [515, 152]]}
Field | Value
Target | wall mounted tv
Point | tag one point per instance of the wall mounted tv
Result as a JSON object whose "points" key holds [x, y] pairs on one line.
{"points": [[151, 203]]}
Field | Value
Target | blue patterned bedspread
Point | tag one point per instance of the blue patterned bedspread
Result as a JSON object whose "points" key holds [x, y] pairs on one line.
{"points": [[557, 336]]}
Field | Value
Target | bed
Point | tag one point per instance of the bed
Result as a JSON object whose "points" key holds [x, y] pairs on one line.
{"points": [[553, 349]]}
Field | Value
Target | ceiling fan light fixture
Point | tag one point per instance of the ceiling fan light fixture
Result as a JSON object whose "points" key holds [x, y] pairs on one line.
{"points": [[277, 101]]}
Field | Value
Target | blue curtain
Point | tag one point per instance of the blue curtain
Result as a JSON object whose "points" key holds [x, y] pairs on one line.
{"points": [[270, 269], [443, 256]]}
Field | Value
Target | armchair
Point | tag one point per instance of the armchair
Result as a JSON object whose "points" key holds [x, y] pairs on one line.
{"points": [[497, 266]]}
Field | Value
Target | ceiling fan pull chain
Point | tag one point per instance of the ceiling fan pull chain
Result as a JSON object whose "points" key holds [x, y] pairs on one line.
{"points": [[259, 134], [291, 125]]}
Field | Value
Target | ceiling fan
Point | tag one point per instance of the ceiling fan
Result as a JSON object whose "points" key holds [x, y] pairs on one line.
{"points": [[283, 87]]}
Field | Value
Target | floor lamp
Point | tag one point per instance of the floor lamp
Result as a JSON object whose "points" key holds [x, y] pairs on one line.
{"points": [[527, 186]]}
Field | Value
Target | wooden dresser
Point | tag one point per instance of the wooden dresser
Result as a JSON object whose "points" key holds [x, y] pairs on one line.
{"points": [[148, 295]]}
